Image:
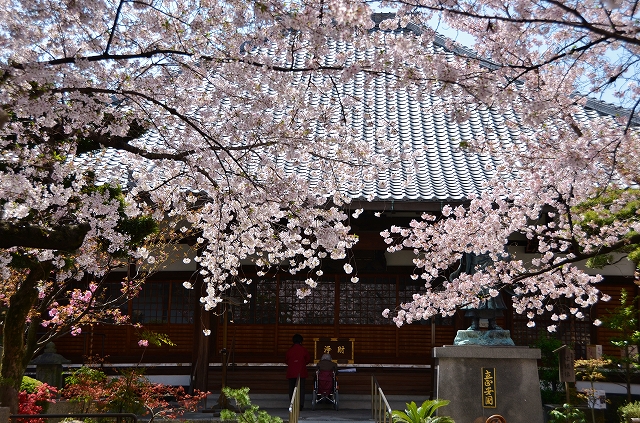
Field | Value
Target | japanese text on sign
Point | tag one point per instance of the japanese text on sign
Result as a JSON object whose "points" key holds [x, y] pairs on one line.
{"points": [[488, 387], [567, 372], [341, 349]]}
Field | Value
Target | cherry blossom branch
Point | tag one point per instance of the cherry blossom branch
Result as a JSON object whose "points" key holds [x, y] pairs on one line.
{"points": [[581, 23], [580, 256]]}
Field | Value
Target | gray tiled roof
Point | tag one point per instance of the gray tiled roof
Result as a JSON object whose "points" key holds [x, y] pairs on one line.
{"points": [[443, 170], [440, 169]]}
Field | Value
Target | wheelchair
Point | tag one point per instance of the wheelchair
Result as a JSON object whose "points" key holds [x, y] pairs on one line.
{"points": [[325, 388]]}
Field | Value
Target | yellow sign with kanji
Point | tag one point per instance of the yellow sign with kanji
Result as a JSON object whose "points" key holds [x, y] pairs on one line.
{"points": [[341, 349], [488, 387]]}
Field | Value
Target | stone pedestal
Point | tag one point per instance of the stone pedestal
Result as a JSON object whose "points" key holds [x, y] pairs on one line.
{"points": [[514, 382]]}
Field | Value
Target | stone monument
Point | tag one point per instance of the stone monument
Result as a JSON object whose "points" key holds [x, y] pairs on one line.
{"points": [[484, 374], [49, 366], [481, 381]]}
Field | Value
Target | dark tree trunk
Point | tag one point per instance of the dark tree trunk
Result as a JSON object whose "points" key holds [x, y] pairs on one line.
{"points": [[16, 353], [65, 237]]}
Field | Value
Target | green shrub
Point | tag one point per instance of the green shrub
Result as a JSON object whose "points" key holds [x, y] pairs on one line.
{"points": [[629, 411], [567, 414], [248, 413], [29, 384]]}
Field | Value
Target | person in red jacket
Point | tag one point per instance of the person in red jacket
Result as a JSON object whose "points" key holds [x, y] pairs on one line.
{"points": [[297, 359]]}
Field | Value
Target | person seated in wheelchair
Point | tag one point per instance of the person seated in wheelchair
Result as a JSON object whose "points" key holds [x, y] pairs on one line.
{"points": [[325, 363], [325, 375], [325, 387]]}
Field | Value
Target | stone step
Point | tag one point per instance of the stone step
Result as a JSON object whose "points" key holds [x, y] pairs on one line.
{"points": [[345, 401]]}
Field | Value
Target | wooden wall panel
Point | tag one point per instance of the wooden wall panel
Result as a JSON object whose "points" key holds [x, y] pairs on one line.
{"points": [[182, 336], [414, 343], [70, 346], [248, 338], [604, 335], [272, 380], [254, 343], [371, 340], [410, 344], [120, 344], [107, 341], [308, 332]]}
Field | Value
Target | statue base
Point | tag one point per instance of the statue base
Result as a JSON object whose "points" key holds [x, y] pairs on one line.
{"points": [[496, 337], [514, 388]]}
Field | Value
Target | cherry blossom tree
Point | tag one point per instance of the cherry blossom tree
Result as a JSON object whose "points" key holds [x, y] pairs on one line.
{"points": [[238, 122], [568, 186], [46, 292], [123, 123]]}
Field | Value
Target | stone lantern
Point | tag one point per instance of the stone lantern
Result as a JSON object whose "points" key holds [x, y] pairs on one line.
{"points": [[49, 366]]}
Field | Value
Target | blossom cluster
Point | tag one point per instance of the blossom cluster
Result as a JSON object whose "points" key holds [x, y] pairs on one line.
{"points": [[547, 203]]}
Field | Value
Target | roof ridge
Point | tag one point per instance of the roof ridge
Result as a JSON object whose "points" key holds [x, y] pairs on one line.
{"points": [[611, 109]]}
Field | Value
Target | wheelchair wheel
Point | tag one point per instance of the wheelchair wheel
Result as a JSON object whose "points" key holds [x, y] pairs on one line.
{"points": [[335, 403], [314, 400]]}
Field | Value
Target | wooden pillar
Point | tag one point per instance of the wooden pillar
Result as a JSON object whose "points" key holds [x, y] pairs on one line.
{"points": [[201, 348], [200, 371]]}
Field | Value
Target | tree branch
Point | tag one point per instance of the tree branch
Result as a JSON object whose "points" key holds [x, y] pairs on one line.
{"points": [[64, 237], [113, 28], [634, 239], [580, 23]]}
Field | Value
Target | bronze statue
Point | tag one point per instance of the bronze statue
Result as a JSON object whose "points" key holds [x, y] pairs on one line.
{"points": [[489, 307]]}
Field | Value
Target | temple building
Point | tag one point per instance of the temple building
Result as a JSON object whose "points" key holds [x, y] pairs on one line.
{"points": [[253, 328]]}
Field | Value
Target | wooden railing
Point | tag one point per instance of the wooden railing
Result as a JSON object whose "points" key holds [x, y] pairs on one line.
{"points": [[294, 405], [380, 409]]}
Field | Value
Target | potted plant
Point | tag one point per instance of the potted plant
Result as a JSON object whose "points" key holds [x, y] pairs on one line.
{"points": [[423, 414]]}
